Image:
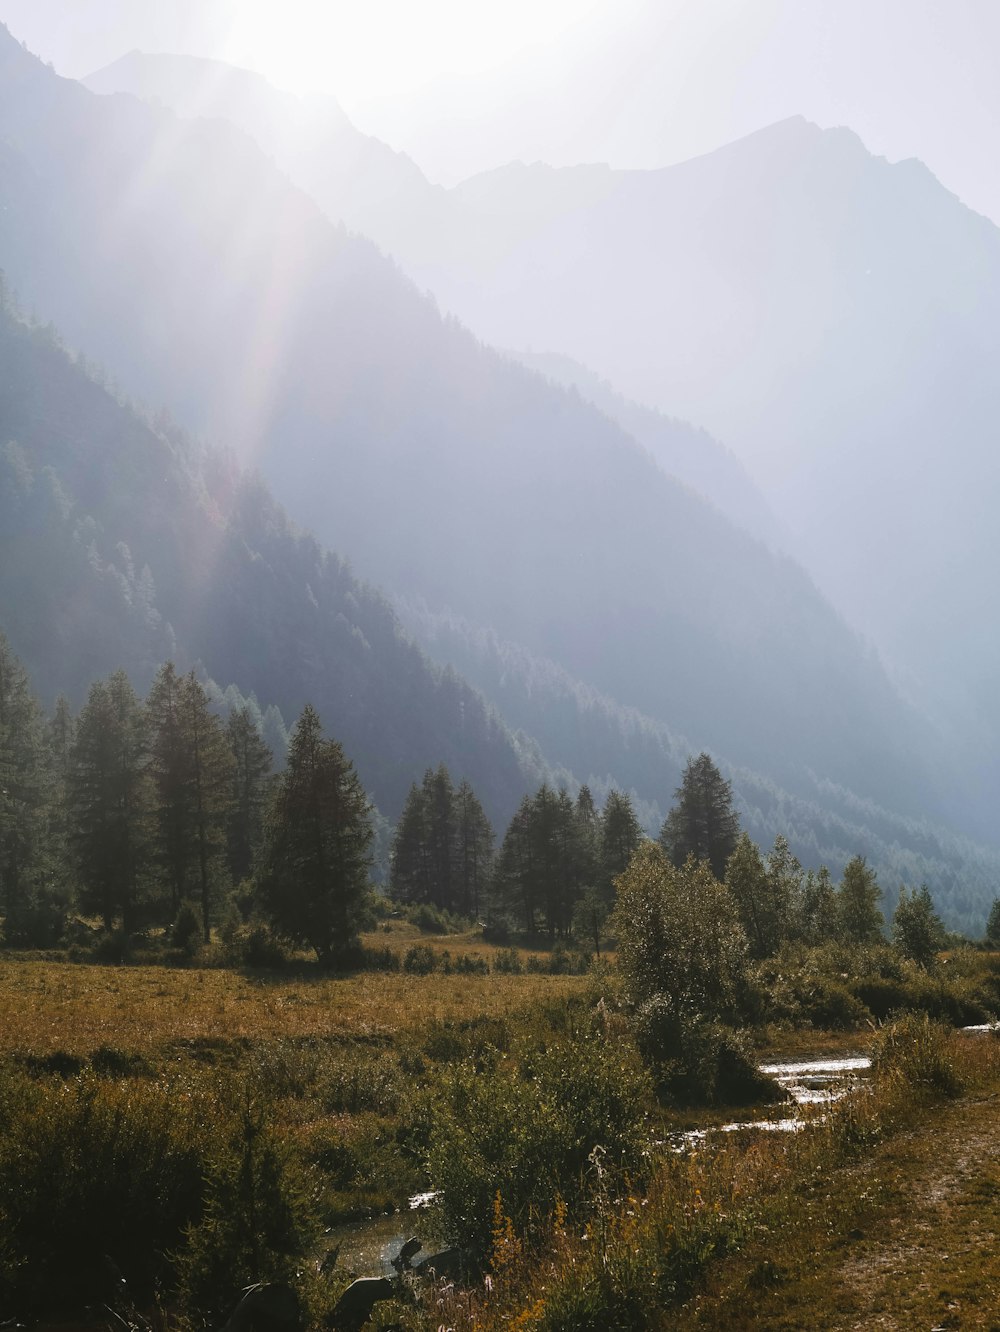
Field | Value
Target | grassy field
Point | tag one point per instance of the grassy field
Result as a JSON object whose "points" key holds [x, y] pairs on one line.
{"points": [[317, 1098]]}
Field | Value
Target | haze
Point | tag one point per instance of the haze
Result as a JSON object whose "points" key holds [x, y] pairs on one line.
{"points": [[465, 87]]}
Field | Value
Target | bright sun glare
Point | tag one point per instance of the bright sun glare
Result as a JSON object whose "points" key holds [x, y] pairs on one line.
{"points": [[377, 48]]}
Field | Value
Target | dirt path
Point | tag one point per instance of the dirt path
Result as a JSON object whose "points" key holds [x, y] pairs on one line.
{"points": [[915, 1245]]}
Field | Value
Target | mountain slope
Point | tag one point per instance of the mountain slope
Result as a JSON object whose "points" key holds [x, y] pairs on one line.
{"points": [[122, 545], [178, 252], [830, 315]]}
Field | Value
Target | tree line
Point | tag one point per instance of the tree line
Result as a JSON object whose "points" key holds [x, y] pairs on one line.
{"points": [[137, 811]]}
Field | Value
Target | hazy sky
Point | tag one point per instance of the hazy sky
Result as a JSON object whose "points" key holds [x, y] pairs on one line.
{"points": [[464, 85]]}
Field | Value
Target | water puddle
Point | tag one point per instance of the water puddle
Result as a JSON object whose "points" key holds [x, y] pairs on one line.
{"points": [[369, 1247], [808, 1082]]}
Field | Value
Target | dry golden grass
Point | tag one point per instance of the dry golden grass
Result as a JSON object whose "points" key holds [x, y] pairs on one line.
{"points": [[47, 1006]]}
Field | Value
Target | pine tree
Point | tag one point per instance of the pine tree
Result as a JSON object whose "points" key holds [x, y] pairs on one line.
{"points": [[542, 862], [817, 914], [442, 835], [192, 766], [703, 823], [475, 851], [252, 762], [621, 836], [25, 803], [993, 924], [917, 931], [314, 865], [410, 873], [211, 766], [858, 916], [111, 803]]}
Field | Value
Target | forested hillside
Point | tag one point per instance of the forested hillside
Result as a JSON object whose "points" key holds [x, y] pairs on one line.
{"points": [[124, 544], [182, 257]]}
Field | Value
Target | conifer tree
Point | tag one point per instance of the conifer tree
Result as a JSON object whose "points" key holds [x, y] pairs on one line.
{"points": [[25, 801], [111, 803], [858, 916], [621, 836], [993, 924], [210, 768], [475, 850], [410, 873], [817, 914], [314, 865], [703, 823], [917, 931], [252, 762]]}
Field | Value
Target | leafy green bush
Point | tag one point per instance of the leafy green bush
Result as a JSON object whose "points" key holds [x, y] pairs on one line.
{"points": [[698, 1062], [420, 960], [526, 1125], [256, 1221], [88, 1168]]}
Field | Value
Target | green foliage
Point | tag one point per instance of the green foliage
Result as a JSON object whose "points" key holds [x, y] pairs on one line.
{"points": [[314, 867], [111, 803], [993, 924], [544, 863], [858, 916], [917, 1051], [916, 927], [679, 937], [256, 1221], [443, 846], [90, 1168], [703, 823], [187, 928], [531, 1126]]}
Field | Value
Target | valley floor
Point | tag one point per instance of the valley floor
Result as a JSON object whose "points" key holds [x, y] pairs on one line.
{"points": [[911, 1244]]}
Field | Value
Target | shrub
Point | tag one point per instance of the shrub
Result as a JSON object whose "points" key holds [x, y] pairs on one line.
{"points": [[917, 1051], [527, 1125], [420, 960], [187, 930], [261, 949], [507, 962], [697, 1062], [433, 920], [89, 1168]]}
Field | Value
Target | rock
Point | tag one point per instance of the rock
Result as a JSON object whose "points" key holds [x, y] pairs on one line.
{"points": [[449, 1263], [355, 1305], [401, 1262], [270, 1307]]}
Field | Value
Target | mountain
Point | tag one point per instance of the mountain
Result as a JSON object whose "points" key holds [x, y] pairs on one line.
{"points": [[358, 180], [682, 450], [123, 543], [181, 256], [830, 315]]}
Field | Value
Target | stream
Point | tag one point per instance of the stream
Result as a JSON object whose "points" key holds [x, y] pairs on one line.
{"points": [[368, 1247]]}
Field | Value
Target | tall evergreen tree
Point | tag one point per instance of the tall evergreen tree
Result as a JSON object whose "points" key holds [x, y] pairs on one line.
{"points": [[993, 924], [442, 835], [703, 823], [410, 875], [621, 836], [192, 766], [475, 851], [252, 762], [111, 803], [314, 865], [170, 768], [817, 913], [917, 930], [858, 916], [542, 863], [25, 800], [211, 765]]}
